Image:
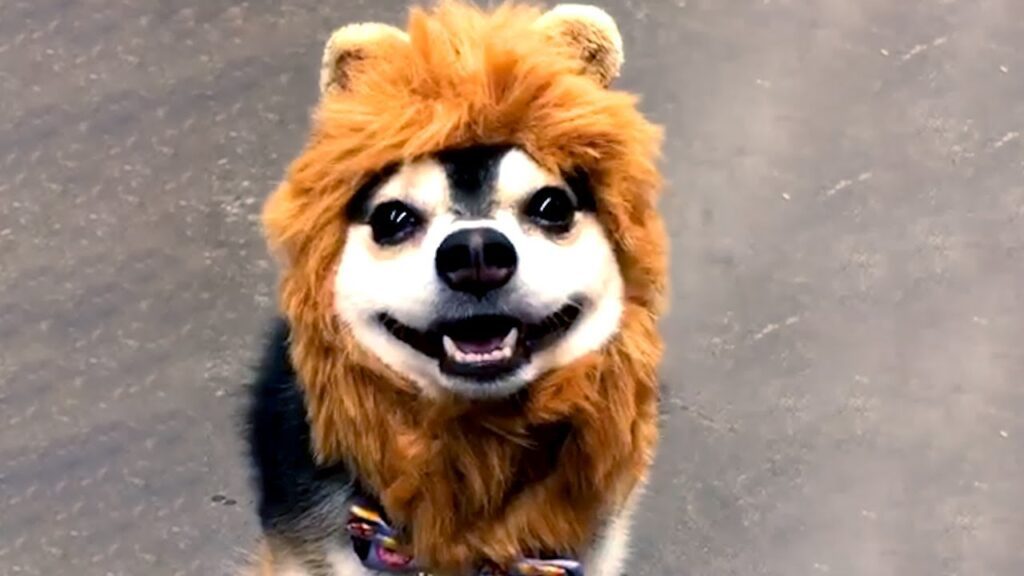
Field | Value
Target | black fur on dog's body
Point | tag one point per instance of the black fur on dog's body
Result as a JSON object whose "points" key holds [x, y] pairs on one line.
{"points": [[297, 498]]}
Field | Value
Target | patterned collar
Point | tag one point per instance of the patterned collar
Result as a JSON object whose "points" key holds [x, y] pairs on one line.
{"points": [[374, 542]]}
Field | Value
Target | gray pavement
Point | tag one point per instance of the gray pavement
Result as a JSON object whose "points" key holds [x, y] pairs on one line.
{"points": [[845, 372]]}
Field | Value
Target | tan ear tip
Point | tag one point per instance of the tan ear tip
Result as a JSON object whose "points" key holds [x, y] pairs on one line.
{"points": [[594, 16], [600, 22], [349, 40]]}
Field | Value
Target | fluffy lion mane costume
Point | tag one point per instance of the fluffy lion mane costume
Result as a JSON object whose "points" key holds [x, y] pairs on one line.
{"points": [[470, 480]]}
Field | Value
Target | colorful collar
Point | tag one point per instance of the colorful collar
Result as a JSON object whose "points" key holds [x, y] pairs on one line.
{"points": [[375, 544]]}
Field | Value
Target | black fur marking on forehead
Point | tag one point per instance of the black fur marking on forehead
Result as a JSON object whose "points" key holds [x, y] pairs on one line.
{"points": [[579, 182], [472, 173], [358, 207]]}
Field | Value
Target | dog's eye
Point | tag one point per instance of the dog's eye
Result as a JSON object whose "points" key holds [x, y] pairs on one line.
{"points": [[552, 208], [393, 223]]}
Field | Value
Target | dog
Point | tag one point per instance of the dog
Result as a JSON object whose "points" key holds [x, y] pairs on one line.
{"points": [[463, 378]]}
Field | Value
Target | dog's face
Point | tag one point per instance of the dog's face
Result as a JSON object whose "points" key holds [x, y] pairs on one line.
{"points": [[476, 270]]}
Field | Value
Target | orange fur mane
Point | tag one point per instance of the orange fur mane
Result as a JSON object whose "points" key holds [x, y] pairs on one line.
{"points": [[533, 473]]}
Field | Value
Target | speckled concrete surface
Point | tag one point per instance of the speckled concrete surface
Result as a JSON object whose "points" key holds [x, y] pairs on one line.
{"points": [[847, 209]]}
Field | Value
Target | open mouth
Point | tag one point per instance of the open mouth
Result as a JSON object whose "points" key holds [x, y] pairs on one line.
{"points": [[484, 347]]}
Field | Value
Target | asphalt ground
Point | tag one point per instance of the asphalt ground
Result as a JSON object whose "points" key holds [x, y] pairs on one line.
{"points": [[846, 204]]}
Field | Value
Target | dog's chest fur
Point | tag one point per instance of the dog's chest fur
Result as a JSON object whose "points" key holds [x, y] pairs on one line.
{"points": [[303, 506]]}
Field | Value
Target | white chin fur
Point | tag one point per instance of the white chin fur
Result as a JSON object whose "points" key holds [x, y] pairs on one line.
{"points": [[402, 280]]}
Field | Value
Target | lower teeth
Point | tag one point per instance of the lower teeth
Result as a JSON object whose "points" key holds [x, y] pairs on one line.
{"points": [[502, 353]]}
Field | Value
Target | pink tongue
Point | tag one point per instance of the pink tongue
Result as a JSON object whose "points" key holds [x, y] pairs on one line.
{"points": [[481, 347]]}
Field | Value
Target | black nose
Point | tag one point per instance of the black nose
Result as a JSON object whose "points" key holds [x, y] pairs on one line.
{"points": [[476, 260]]}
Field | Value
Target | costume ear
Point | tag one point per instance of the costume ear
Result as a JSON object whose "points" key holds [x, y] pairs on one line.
{"points": [[351, 44], [589, 32]]}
